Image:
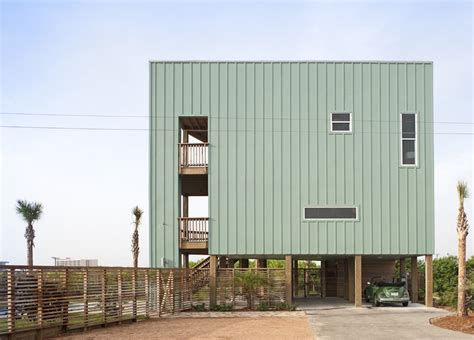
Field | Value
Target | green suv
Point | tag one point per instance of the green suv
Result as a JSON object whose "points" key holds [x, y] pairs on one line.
{"points": [[380, 292]]}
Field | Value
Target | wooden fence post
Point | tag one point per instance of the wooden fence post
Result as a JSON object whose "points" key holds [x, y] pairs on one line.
{"points": [[147, 293], [102, 296], [119, 293], [288, 279], [65, 302], [85, 279], [172, 290], [39, 316], [11, 317], [158, 291], [134, 293]]}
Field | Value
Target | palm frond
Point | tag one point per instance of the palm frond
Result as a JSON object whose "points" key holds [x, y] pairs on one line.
{"points": [[463, 191], [137, 212], [30, 211]]}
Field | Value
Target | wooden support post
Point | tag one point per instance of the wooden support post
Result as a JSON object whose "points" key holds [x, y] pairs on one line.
{"points": [[11, 301], [65, 302], [414, 279], [119, 295], [262, 263], [213, 280], [147, 294], [185, 206], [158, 291], [429, 280], [102, 296], [288, 279], [231, 263], [323, 279], [351, 281], [39, 316], [358, 280], [185, 261], [85, 296], [134, 295]]}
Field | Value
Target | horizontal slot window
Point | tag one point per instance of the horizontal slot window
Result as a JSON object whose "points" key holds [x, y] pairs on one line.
{"points": [[326, 213], [341, 122]]}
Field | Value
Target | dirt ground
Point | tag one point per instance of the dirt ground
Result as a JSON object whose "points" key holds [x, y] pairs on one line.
{"points": [[288, 327], [454, 323]]}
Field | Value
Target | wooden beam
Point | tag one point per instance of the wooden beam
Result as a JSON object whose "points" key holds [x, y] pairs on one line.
{"points": [[213, 280], [414, 279], [358, 280], [288, 279], [429, 280], [193, 171]]}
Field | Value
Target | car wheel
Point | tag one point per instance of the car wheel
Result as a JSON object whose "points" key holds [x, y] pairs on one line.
{"points": [[405, 304]]}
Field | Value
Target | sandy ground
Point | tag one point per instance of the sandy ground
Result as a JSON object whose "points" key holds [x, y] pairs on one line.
{"points": [[278, 327]]}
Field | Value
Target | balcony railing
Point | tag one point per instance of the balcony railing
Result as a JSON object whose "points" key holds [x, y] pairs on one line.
{"points": [[193, 155], [194, 229]]}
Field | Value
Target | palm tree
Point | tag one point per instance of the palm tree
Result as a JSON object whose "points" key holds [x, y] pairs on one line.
{"points": [[250, 282], [137, 213], [30, 211], [463, 230]]}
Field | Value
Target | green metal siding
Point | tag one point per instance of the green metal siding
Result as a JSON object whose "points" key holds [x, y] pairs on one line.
{"points": [[271, 154]]}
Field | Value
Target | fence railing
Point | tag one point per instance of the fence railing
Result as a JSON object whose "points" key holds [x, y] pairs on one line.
{"points": [[43, 297], [193, 155], [194, 229]]}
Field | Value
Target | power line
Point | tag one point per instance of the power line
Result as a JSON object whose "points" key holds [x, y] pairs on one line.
{"points": [[211, 118], [217, 130]]}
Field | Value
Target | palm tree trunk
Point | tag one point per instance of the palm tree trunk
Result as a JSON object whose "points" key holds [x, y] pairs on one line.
{"points": [[30, 235], [462, 308], [135, 247]]}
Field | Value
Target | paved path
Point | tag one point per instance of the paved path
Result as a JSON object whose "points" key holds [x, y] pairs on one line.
{"points": [[346, 322]]}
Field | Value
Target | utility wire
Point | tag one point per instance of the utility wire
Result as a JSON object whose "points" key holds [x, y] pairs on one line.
{"points": [[217, 130], [211, 118]]}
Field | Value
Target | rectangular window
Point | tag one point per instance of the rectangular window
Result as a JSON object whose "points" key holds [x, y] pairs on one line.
{"points": [[341, 122], [332, 213], [408, 139]]}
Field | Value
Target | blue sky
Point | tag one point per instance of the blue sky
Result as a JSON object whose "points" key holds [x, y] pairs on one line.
{"points": [[91, 57]]}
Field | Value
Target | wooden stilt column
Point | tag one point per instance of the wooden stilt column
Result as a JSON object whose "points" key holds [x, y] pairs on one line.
{"points": [[262, 263], [346, 279], [185, 261], [295, 280], [414, 279], [358, 281], [288, 279], [222, 262], [213, 280], [429, 280]]}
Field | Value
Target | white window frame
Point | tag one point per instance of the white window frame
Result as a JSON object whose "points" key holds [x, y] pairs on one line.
{"points": [[405, 138], [331, 219], [339, 121]]}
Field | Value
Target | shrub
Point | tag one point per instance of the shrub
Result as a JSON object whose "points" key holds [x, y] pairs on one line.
{"points": [[199, 307], [222, 308]]}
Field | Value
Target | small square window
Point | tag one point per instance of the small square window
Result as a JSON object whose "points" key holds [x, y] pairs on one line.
{"points": [[341, 122]]}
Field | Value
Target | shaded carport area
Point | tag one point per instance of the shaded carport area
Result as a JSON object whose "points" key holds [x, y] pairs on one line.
{"points": [[341, 280]]}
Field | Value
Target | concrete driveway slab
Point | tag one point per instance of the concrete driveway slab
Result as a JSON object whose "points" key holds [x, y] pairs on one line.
{"points": [[343, 322]]}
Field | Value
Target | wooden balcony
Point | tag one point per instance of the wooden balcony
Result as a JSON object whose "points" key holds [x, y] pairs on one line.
{"points": [[194, 233], [193, 158]]}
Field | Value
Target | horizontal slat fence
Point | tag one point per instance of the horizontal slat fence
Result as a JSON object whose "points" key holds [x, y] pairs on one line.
{"points": [[79, 297]]}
